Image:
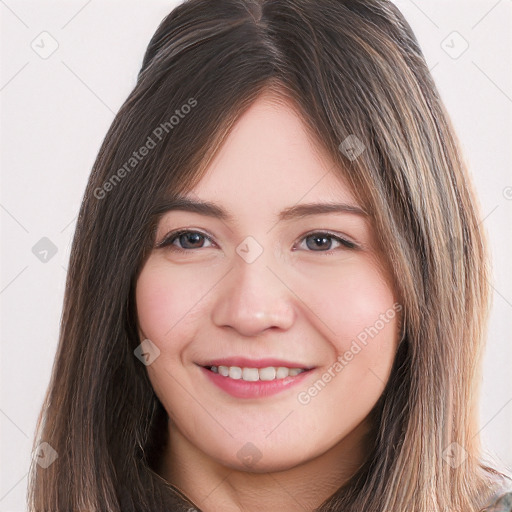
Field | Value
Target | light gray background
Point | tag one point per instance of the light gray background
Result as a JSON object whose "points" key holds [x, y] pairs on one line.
{"points": [[56, 111]]}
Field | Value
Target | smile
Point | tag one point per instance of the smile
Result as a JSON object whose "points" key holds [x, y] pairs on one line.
{"points": [[248, 382], [255, 374]]}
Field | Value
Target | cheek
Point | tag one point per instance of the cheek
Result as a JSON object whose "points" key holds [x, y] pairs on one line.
{"points": [[352, 301], [359, 314], [369, 327], [154, 305], [166, 300], [371, 312], [164, 304]]}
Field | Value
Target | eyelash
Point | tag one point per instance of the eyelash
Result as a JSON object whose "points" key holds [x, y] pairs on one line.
{"points": [[171, 237]]}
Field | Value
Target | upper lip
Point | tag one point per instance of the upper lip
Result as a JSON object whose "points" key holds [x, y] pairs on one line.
{"points": [[243, 362]]}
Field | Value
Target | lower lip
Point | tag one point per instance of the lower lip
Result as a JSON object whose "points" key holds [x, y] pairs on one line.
{"points": [[240, 388]]}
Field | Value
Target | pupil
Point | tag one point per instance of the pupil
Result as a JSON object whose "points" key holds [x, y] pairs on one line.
{"points": [[320, 240], [190, 236]]}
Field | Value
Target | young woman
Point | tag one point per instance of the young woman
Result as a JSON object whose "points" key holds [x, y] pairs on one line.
{"points": [[278, 287]]}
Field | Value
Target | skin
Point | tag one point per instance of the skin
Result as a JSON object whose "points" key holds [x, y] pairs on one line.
{"points": [[297, 301]]}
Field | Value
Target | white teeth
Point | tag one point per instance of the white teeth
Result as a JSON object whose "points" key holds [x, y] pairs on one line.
{"points": [[267, 373], [282, 372], [235, 372], [250, 374], [255, 374]]}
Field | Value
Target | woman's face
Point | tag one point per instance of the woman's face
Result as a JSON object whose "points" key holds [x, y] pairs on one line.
{"points": [[266, 288]]}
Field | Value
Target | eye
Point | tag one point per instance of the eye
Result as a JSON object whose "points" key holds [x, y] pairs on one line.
{"points": [[322, 242], [188, 239]]}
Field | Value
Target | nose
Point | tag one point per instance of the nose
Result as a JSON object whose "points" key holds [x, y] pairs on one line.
{"points": [[253, 298]]}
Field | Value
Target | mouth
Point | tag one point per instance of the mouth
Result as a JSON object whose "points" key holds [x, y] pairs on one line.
{"points": [[253, 374], [253, 370], [252, 382]]}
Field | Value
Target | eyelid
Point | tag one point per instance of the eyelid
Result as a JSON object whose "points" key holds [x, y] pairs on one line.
{"points": [[176, 233], [338, 236], [345, 241]]}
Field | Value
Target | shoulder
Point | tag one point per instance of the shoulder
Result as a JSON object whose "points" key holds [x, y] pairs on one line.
{"points": [[502, 504]]}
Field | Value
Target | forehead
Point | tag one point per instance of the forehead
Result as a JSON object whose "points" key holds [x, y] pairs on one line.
{"points": [[269, 158]]}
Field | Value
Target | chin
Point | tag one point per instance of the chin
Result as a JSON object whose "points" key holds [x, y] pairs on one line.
{"points": [[271, 459]]}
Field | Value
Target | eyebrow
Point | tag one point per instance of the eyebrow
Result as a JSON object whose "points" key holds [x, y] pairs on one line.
{"points": [[291, 213]]}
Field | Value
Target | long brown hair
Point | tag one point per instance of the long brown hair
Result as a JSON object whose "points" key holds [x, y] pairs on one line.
{"points": [[353, 69]]}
